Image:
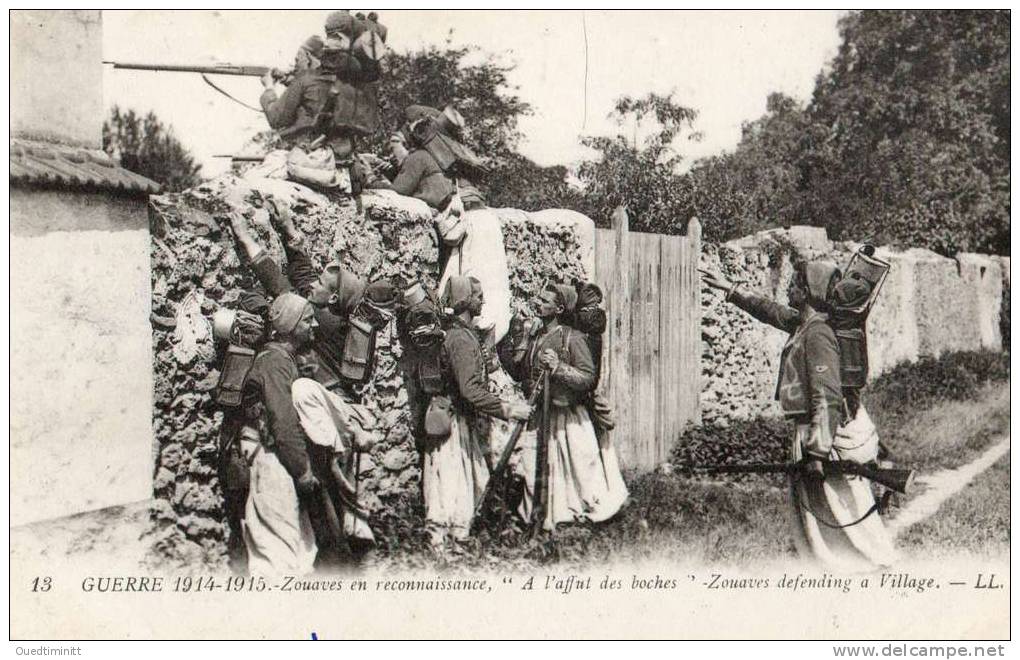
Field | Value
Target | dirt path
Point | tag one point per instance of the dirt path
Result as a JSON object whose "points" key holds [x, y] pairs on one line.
{"points": [[942, 485]]}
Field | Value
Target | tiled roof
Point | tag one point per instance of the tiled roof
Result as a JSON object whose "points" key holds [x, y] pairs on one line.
{"points": [[53, 165]]}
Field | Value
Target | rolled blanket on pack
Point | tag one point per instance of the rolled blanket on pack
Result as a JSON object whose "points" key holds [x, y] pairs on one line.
{"points": [[482, 255]]}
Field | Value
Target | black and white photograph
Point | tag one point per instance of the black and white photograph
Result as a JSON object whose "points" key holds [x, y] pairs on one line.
{"points": [[489, 324]]}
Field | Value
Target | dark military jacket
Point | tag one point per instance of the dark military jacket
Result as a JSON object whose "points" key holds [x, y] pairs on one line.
{"points": [[572, 380], [330, 338], [464, 363], [808, 388], [271, 377]]}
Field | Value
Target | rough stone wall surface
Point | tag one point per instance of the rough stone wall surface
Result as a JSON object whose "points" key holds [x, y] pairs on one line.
{"points": [[930, 304], [195, 264]]}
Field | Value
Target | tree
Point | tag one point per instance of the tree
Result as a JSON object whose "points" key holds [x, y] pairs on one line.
{"points": [[147, 147], [439, 76], [516, 181], [915, 117], [905, 141], [644, 176], [756, 186]]}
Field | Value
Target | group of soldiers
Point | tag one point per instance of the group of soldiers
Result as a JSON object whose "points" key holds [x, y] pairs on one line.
{"points": [[300, 428], [302, 345], [303, 342]]}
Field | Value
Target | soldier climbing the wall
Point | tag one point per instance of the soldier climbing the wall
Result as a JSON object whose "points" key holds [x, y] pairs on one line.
{"points": [[349, 313]]}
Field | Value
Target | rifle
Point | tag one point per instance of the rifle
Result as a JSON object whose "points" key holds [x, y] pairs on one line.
{"points": [[282, 77], [241, 159], [899, 480], [504, 457], [221, 69], [538, 509]]}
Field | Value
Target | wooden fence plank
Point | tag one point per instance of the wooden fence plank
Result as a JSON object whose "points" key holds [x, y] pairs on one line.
{"points": [[693, 323], [619, 350], [644, 347], [673, 360], [651, 360]]}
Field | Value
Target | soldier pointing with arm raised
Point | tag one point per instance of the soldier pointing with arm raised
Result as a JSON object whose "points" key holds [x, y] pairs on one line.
{"points": [[831, 510]]}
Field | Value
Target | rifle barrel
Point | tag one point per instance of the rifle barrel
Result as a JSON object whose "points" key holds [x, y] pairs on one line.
{"points": [[241, 159], [504, 457], [540, 495], [223, 69], [900, 480]]}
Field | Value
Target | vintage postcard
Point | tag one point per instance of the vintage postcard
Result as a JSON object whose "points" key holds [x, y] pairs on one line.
{"points": [[581, 324]]}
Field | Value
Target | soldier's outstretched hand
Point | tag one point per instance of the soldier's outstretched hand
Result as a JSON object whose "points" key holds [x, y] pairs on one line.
{"points": [[715, 279], [281, 218]]}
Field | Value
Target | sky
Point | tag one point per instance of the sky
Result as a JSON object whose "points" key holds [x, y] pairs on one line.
{"points": [[570, 66]]}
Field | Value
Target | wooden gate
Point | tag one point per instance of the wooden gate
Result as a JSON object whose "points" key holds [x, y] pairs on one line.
{"points": [[651, 364]]}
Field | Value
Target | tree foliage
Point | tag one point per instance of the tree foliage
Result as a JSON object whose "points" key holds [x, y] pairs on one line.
{"points": [[912, 121], [755, 187], [146, 146], [905, 141], [643, 176], [436, 77]]}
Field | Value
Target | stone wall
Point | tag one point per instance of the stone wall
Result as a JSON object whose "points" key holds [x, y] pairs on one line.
{"points": [[930, 304], [196, 268]]}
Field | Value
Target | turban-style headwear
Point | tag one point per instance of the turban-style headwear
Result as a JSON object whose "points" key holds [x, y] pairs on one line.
{"points": [[567, 296], [286, 311], [314, 45], [309, 54], [457, 293], [819, 277], [347, 286]]}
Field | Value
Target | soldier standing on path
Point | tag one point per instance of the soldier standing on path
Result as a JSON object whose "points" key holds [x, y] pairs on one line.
{"points": [[831, 518]]}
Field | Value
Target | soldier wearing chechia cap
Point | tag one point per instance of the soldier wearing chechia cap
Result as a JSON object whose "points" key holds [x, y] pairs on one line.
{"points": [[831, 512], [454, 470], [583, 477], [277, 529], [340, 359]]}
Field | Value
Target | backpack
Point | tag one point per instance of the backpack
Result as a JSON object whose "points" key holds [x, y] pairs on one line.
{"points": [[852, 299], [590, 318], [420, 328], [352, 103], [244, 333]]}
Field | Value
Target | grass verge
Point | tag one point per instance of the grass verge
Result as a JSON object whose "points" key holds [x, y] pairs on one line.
{"points": [[975, 520], [932, 414]]}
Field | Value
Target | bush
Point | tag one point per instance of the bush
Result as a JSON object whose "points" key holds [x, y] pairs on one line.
{"points": [[891, 400], [760, 440], [909, 404], [954, 376]]}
